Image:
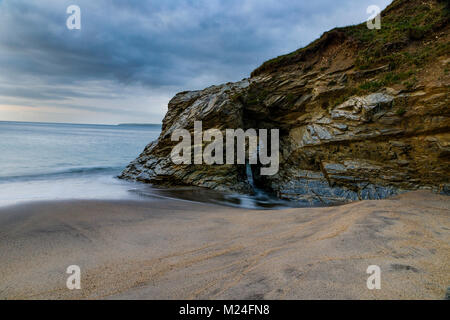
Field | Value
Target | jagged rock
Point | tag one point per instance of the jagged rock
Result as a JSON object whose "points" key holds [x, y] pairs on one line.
{"points": [[345, 133], [362, 109], [215, 107]]}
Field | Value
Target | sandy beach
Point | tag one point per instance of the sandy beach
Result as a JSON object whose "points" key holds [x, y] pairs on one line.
{"points": [[172, 249]]}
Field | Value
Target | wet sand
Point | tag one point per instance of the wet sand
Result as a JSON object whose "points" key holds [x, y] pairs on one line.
{"points": [[170, 249]]}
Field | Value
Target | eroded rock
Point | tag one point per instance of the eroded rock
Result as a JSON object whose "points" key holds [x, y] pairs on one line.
{"points": [[368, 145]]}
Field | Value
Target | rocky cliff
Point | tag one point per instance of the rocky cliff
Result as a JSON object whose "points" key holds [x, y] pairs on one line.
{"points": [[362, 114]]}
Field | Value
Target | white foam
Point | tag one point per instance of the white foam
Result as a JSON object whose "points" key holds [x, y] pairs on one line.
{"points": [[86, 188]]}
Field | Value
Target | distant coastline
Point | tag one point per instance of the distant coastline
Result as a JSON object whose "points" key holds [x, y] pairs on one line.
{"points": [[139, 124]]}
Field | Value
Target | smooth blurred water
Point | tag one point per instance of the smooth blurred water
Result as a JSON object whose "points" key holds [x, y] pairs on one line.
{"points": [[42, 161]]}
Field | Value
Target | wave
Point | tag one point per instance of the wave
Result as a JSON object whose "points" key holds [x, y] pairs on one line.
{"points": [[65, 173]]}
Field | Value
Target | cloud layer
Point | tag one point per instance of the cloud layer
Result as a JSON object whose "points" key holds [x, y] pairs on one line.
{"points": [[130, 57]]}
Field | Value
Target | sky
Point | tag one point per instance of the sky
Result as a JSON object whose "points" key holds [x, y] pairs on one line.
{"points": [[131, 57]]}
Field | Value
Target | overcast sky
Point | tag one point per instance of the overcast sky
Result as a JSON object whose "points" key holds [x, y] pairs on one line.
{"points": [[130, 57]]}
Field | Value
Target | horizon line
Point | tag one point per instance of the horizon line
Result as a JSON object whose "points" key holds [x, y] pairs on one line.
{"points": [[77, 123]]}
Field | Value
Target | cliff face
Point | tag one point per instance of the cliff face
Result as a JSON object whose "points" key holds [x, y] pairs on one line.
{"points": [[363, 114]]}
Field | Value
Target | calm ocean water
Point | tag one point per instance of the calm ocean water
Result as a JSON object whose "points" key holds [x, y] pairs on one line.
{"points": [[43, 161], [46, 161]]}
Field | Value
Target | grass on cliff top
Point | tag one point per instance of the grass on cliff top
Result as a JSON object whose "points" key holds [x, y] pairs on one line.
{"points": [[402, 23]]}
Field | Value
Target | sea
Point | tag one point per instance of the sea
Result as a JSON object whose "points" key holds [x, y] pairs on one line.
{"points": [[53, 161]]}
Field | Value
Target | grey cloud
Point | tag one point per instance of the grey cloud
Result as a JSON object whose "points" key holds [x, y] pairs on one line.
{"points": [[161, 45]]}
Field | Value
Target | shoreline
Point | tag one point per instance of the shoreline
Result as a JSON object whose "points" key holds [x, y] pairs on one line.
{"points": [[170, 249]]}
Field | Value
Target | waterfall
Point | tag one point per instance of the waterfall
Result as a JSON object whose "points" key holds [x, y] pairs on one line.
{"points": [[252, 158], [248, 170], [261, 198]]}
